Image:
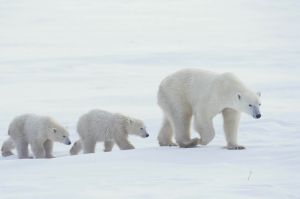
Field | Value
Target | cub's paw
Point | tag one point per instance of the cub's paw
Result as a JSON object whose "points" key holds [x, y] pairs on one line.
{"points": [[6, 153], [129, 147], [50, 156]]}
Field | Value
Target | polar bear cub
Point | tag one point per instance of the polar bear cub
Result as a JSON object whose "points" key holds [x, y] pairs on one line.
{"points": [[202, 95], [102, 126], [37, 131]]}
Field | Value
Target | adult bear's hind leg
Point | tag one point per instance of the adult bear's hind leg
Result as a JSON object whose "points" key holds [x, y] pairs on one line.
{"points": [[89, 145], [179, 114], [181, 126], [205, 128], [165, 134]]}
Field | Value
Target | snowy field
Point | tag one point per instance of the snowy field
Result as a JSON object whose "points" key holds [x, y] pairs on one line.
{"points": [[65, 57]]}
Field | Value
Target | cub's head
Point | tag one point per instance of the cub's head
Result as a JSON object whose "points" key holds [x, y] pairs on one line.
{"points": [[136, 127], [249, 102], [58, 133]]}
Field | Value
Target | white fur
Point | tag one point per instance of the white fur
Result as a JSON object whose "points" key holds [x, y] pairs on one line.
{"points": [[102, 126], [37, 131], [203, 95]]}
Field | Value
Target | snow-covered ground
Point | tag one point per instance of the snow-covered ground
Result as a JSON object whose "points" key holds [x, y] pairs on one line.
{"points": [[65, 57]]}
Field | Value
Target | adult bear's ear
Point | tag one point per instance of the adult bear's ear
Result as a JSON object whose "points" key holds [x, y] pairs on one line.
{"points": [[239, 96], [258, 94]]}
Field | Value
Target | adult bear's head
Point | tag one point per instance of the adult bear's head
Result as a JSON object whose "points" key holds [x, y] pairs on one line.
{"points": [[249, 102], [238, 96]]}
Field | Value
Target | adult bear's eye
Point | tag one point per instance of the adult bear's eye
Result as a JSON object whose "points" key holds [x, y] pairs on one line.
{"points": [[250, 105], [142, 128]]}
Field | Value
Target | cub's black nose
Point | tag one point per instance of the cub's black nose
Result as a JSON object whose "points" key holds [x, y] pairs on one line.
{"points": [[147, 135], [258, 116]]}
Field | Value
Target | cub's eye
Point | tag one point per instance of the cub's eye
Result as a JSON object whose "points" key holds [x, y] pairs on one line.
{"points": [[259, 104], [54, 130], [142, 128], [64, 136], [250, 105]]}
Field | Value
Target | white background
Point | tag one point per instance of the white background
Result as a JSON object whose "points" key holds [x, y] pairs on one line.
{"points": [[65, 57]]}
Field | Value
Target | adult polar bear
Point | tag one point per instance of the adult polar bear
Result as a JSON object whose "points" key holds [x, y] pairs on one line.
{"points": [[203, 94]]}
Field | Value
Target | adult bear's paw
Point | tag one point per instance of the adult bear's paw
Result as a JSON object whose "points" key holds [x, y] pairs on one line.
{"points": [[190, 144], [235, 147]]}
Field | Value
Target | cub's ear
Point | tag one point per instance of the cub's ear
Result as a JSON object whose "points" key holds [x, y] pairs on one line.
{"points": [[130, 121], [54, 130], [239, 96], [258, 94]]}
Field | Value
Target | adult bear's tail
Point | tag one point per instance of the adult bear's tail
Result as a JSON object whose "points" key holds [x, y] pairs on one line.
{"points": [[76, 148], [7, 146]]}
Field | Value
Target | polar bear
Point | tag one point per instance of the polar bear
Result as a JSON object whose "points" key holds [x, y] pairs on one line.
{"points": [[102, 126], [37, 131], [203, 95]]}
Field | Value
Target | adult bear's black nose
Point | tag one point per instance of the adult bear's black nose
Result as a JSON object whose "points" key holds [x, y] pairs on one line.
{"points": [[258, 116], [147, 135]]}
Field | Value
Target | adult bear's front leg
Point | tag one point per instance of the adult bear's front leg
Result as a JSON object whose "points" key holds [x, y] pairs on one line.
{"points": [[231, 120]]}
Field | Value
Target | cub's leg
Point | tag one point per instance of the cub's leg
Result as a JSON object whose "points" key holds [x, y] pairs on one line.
{"points": [[48, 146], [108, 145], [123, 143], [76, 148], [38, 150], [6, 148], [22, 149]]}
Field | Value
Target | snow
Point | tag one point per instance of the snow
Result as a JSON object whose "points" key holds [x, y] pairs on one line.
{"points": [[65, 57]]}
